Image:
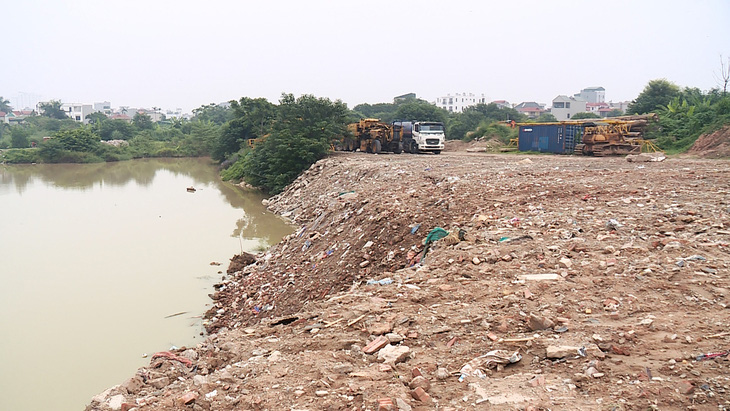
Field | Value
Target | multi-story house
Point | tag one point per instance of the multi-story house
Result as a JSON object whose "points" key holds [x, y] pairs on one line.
{"points": [[565, 107], [456, 103]]}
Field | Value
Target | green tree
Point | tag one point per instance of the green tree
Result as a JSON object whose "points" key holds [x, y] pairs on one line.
{"points": [[420, 110], [96, 118], [19, 137], [5, 105], [52, 109], [383, 111], [202, 138], [143, 121], [251, 119], [656, 94], [257, 113], [81, 139], [546, 118], [461, 124], [584, 115], [302, 133], [215, 113], [114, 130]]}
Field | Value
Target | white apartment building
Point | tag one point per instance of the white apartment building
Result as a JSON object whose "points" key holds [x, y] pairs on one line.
{"points": [[104, 107], [456, 103], [565, 107], [78, 111], [592, 95]]}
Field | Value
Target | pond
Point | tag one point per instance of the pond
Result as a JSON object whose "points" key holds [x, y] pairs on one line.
{"points": [[101, 265]]}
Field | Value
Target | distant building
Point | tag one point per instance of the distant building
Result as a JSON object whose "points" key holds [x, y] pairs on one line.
{"points": [[78, 111], [120, 116], [621, 105], [565, 107], [596, 107], [592, 95], [404, 97], [531, 109], [502, 103], [18, 116], [458, 102], [104, 107]]}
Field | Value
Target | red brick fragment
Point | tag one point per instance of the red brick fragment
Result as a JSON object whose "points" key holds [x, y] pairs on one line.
{"points": [[376, 345], [189, 397], [619, 350], [421, 395], [386, 404]]}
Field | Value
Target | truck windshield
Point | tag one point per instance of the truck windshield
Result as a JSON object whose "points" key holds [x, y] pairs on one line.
{"points": [[432, 128]]}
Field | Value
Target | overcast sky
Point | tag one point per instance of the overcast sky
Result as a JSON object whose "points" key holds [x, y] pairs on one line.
{"points": [[182, 53]]}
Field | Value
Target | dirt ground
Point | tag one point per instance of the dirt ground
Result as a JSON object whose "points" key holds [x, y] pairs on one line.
{"points": [[564, 283]]}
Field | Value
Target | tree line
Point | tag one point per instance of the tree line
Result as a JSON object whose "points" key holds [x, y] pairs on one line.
{"points": [[268, 145]]}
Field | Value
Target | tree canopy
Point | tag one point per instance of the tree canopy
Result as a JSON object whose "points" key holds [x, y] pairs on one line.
{"points": [[584, 115], [302, 133], [546, 118], [143, 121], [420, 110], [656, 94], [5, 105], [460, 124], [215, 113], [52, 109]]}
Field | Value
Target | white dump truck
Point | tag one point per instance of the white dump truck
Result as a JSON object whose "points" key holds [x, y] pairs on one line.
{"points": [[420, 136]]}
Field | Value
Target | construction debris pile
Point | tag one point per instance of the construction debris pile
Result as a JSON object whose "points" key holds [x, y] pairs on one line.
{"points": [[466, 281]]}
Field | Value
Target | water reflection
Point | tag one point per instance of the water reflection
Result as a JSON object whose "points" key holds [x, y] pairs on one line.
{"points": [[142, 172], [84, 176]]}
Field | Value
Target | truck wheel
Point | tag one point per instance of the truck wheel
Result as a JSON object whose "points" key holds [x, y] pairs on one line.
{"points": [[414, 147], [398, 148], [376, 147], [437, 151]]}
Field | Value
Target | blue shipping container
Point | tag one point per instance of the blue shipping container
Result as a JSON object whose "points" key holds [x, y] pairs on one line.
{"points": [[549, 138]]}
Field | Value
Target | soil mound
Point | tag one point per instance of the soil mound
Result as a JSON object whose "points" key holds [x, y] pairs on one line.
{"points": [[712, 145]]}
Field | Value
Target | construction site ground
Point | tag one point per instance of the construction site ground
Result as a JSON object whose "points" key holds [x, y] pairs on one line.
{"points": [[564, 283]]}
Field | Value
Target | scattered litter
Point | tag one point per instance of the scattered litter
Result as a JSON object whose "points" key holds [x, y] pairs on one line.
{"points": [[613, 224], [491, 359], [713, 355], [384, 281], [539, 277], [347, 195]]}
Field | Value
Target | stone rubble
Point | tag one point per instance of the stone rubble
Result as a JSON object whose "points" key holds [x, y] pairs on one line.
{"points": [[606, 278]]}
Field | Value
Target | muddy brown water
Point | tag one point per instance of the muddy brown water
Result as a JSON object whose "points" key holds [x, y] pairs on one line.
{"points": [[96, 260]]}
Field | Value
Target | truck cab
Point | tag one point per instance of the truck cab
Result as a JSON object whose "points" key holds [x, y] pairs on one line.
{"points": [[421, 136]]}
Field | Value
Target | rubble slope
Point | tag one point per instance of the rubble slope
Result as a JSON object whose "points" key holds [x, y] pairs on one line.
{"points": [[564, 283]]}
